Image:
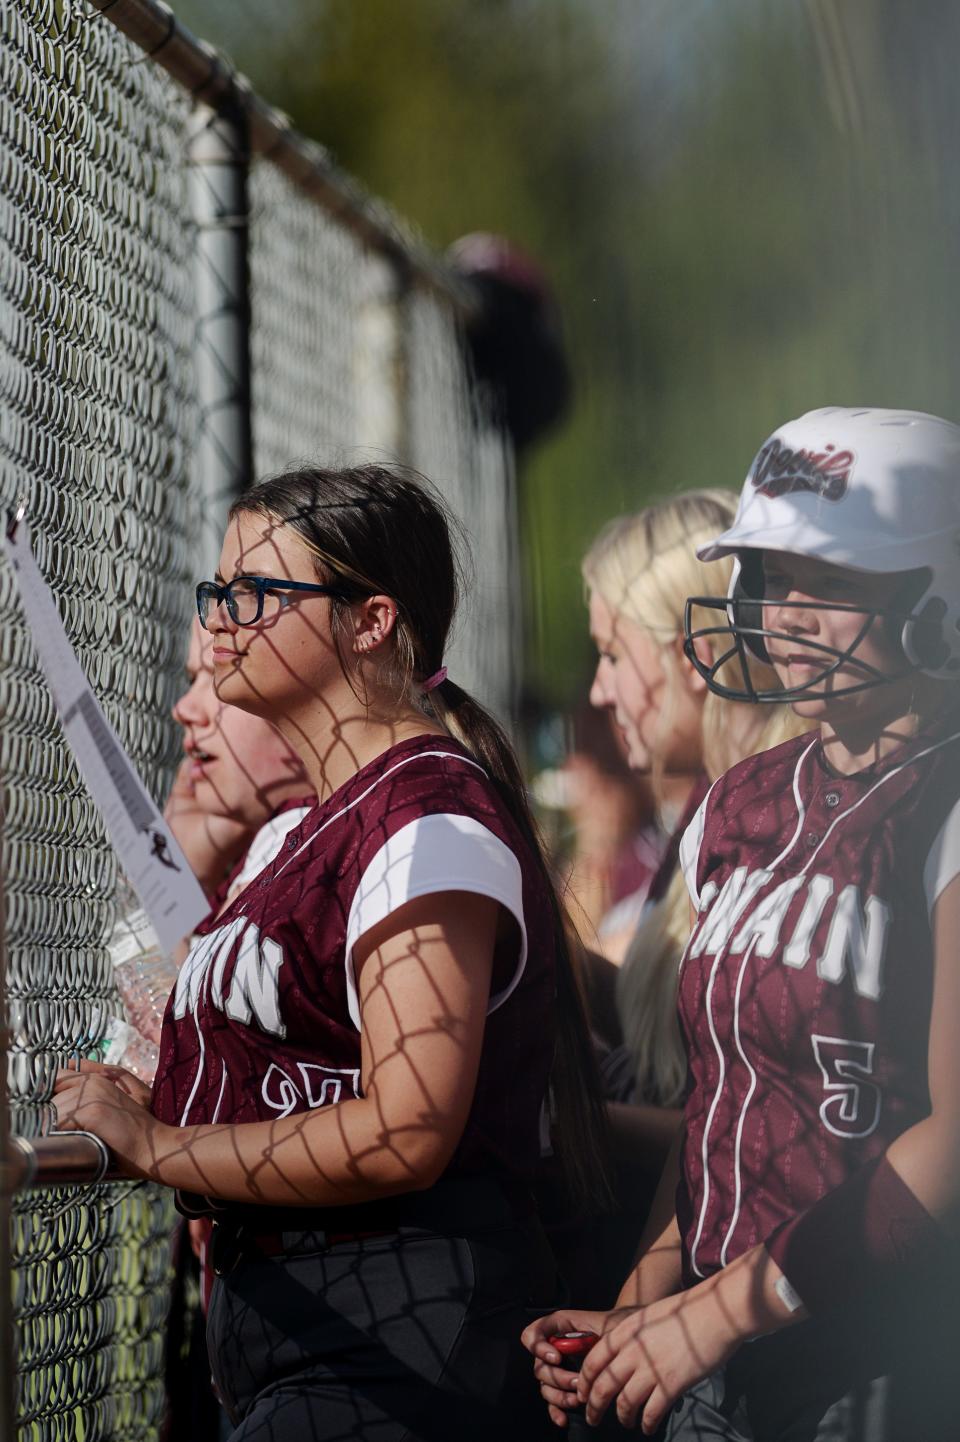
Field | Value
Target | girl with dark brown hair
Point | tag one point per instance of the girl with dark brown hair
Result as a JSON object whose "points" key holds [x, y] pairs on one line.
{"points": [[355, 1060]]}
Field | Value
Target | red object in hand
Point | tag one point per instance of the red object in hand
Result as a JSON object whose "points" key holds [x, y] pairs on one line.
{"points": [[573, 1347]]}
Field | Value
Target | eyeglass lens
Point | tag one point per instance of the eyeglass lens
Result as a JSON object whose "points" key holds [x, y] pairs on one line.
{"points": [[242, 598]]}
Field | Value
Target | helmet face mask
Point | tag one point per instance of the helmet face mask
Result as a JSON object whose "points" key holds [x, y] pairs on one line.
{"points": [[875, 493], [740, 619]]}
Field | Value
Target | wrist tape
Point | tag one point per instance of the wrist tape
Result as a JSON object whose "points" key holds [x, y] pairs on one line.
{"points": [[870, 1231]]}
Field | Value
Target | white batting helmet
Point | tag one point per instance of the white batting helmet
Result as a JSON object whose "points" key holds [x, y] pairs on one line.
{"points": [[872, 490]]}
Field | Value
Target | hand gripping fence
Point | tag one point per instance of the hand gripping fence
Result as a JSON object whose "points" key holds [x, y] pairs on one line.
{"points": [[190, 295]]}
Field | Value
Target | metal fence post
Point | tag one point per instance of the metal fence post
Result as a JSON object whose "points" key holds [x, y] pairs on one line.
{"points": [[217, 160], [380, 363]]}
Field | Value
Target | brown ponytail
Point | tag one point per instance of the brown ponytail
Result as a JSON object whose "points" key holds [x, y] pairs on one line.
{"points": [[579, 1123], [378, 529]]}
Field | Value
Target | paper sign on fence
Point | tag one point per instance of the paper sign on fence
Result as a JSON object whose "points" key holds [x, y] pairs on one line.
{"points": [[148, 852]]}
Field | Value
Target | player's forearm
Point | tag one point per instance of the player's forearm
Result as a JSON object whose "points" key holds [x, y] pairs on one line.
{"points": [[659, 1271], [336, 1156], [746, 1295]]}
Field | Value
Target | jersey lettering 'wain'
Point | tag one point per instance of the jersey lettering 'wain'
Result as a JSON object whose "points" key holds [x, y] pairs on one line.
{"points": [[265, 1017], [811, 960], [254, 994], [856, 937]]}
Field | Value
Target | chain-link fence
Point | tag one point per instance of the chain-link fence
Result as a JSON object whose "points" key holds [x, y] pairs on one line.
{"points": [[98, 423]]}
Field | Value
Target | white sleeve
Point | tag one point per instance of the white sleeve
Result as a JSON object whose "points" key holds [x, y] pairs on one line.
{"points": [[943, 861], [690, 843], [436, 853], [265, 845]]}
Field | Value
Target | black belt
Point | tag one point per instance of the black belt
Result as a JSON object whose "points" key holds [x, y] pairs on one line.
{"points": [[452, 1207]]}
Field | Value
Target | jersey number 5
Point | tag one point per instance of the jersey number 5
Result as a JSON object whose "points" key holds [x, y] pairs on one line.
{"points": [[852, 1105]]}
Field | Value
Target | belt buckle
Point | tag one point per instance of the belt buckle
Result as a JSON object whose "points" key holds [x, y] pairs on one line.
{"points": [[226, 1244]]}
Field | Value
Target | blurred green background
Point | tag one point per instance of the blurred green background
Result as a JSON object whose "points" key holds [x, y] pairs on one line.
{"points": [[746, 207]]}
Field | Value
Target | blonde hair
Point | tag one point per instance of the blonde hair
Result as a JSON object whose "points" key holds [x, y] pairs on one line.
{"points": [[644, 567]]}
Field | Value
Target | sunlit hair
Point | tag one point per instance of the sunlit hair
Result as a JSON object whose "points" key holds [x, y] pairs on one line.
{"points": [[382, 530], [644, 566]]}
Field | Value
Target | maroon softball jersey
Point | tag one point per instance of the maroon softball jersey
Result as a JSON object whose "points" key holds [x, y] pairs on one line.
{"points": [[265, 1020], [805, 988]]}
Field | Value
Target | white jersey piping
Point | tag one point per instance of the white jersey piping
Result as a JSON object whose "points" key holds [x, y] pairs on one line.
{"points": [[801, 809], [417, 756], [895, 771], [738, 1186], [200, 1061], [449, 755], [705, 1144], [223, 1087], [801, 814]]}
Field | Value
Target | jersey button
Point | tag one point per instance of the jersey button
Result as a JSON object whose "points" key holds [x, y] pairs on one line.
{"points": [[811, 838], [832, 798], [292, 842]]}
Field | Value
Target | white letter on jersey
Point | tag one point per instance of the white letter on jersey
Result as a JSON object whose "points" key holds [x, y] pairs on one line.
{"points": [[192, 973], [798, 949], [766, 921], [706, 897], [255, 987], [847, 941], [736, 894]]}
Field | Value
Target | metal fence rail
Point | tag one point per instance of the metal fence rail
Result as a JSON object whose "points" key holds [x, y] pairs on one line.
{"points": [[353, 351], [205, 76]]}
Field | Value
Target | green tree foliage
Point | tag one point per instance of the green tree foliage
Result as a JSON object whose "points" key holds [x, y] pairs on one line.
{"points": [[747, 210]]}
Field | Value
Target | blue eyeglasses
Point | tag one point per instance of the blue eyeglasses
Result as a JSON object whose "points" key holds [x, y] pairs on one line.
{"points": [[244, 596]]}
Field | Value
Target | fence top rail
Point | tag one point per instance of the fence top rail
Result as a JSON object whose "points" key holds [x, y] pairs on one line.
{"points": [[209, 78]]}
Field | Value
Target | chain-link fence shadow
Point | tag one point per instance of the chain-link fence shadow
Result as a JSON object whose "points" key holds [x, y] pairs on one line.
{"points": [[101, 421]]}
